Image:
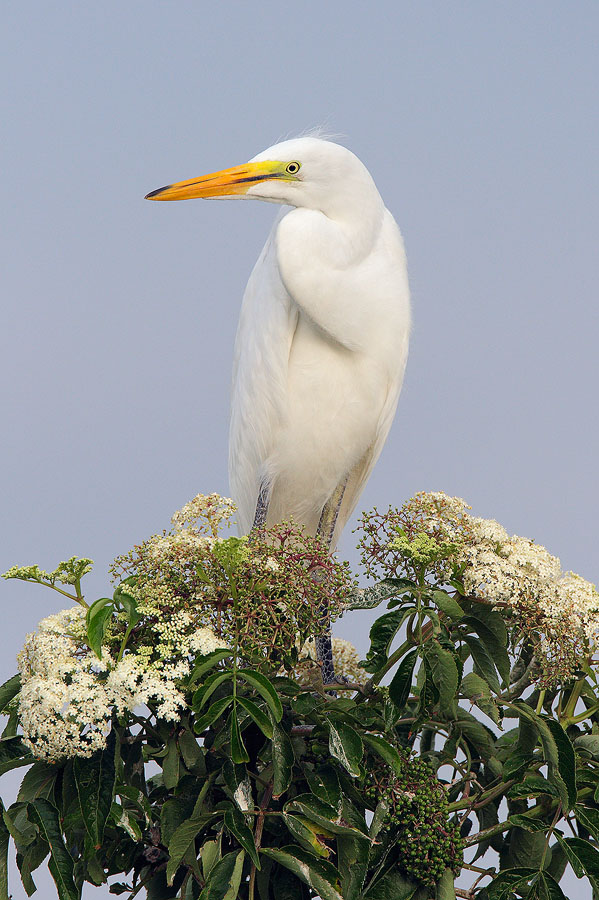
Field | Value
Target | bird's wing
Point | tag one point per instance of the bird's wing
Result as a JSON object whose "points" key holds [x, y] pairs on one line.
{"points": [[361, 472], [264, 335]]}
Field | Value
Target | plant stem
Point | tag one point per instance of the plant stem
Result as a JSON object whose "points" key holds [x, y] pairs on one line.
{"points": [[258, 835]]}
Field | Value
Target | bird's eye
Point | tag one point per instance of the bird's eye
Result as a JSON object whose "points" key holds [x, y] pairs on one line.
{"points": [[293, 168]]}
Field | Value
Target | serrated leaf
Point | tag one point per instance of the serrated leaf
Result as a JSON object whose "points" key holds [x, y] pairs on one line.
{"points": [[589, 819], [444, 672], [125, 821], [368, 598], [448, 605], [209, 855], [39, 781], [345, 744], [528, 823], [259, 717], [61, 865], [282, 760], [583, 857], [214, 712], [95, 780], [483, 662], [401, 684], [546, 888], [532, 786], [566, 758], [14, 753], [317, 873], [508, 881], [265, 689], [238, 827]]}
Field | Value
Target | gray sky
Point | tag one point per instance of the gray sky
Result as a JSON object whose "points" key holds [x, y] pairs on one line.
{"points": [[478, 122]]}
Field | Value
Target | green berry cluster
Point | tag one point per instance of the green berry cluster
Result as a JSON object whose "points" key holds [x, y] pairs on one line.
{"points": [[417, 817]]}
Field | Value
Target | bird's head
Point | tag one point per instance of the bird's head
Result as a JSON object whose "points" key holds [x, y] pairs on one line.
{"points": [[308, 172]]}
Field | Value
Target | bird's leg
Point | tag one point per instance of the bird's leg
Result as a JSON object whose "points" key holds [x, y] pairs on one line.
{"points": [[326, 530], [262, 506]]}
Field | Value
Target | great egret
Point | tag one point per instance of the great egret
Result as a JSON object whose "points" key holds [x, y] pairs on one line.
{"points": [[322, 340]]}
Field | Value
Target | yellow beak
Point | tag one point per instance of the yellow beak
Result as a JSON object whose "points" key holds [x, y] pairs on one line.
{"points": [[225, 183]]}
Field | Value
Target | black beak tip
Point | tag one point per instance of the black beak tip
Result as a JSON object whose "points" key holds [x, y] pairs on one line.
{"points": [[155, 193]]}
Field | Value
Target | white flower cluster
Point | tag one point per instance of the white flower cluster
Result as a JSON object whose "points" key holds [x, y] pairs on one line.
{"points": [[205, 510], [516, 572], [68, 695]]}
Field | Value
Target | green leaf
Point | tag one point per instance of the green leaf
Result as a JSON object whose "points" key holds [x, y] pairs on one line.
{"points": [[317, 873], [95, 779], [345, 744], [401, 684], [210, 854], [475, 688], [14, 753], [448, 605], [96, 618], [323, 814], [324, 783], [516, 762], [589, 819], [444, 672], [4, 842], [368, 598], [310, 836], [123, 819], [532, 786], [352, 861], [583, 858], [259, 717], [392, 886], [282, 760], [239, 785], [239, 752], [203, 694], [546, 888], [508, 881], [214, 713], [528, 823], [566, 758], [225, 878], [483, 662], [181, 840], [61, 866], [446, 886], [265, 689], [589, 743], [192, 753], [207, 662], [238, 827], [385, 751], [39, 781], [491, 629], [381, 635], [557, 751], [9, 690]]}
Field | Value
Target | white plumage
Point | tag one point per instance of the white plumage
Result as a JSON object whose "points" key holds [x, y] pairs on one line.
{"points": [[323, 335]]}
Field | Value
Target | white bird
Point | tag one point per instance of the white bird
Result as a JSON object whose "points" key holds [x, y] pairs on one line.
{"points": [[322, 340]]}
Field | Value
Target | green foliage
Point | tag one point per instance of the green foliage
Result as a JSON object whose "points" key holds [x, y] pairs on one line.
{"points": [[259, 787]]}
